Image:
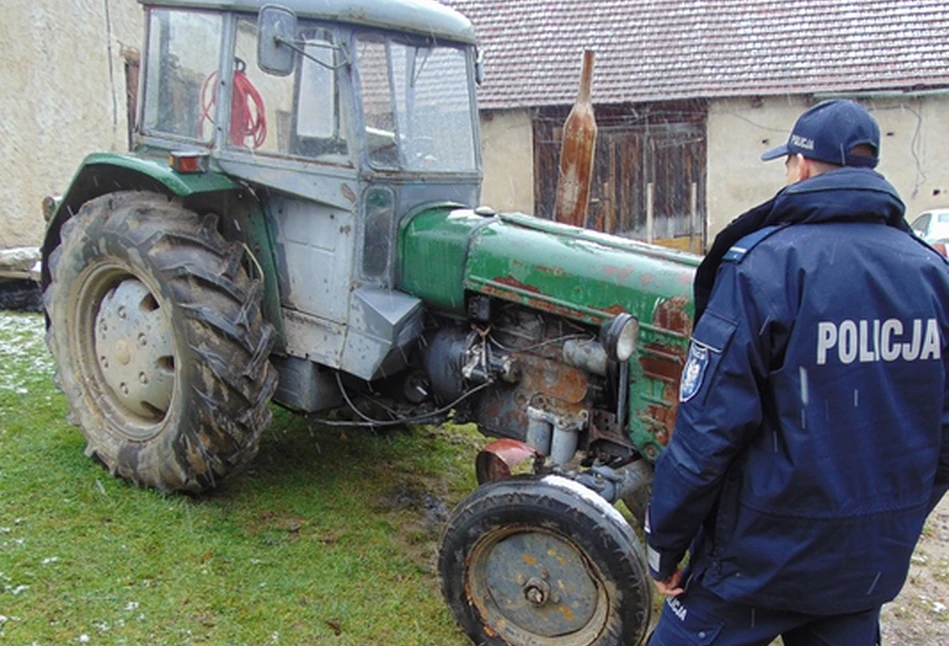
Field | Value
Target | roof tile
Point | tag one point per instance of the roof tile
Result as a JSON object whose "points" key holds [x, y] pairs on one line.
{"points": [[650, 50]]}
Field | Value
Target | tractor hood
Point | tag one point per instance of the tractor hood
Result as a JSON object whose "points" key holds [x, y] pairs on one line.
{"points": [[582, 275], [576, 273]]}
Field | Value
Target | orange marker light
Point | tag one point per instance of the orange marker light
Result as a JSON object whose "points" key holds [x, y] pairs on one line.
{"points": [[188, 162]]}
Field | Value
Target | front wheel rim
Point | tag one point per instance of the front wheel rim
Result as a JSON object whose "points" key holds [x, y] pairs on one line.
{"points": [[536, 586]]}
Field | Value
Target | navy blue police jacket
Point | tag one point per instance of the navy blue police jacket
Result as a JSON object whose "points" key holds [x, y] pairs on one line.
{"points": [[811, 436]]}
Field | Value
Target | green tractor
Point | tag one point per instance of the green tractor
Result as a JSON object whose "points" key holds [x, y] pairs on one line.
{"points": [[299, 224]]}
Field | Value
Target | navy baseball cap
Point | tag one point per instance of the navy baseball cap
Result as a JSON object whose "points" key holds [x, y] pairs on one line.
{"points": [[829, 131]]}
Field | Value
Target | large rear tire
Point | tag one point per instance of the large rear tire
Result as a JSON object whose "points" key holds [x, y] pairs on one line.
{"points": [[544, 562], [160, 345]]}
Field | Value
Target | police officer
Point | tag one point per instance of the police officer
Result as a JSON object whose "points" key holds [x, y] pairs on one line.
{"points": [[812, 436]]}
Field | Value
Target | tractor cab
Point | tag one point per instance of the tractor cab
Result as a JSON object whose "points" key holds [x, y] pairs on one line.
{"points": [[319, 102], [344, 119], [316, 83]]}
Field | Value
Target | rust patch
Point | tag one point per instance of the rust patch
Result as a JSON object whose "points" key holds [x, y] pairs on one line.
{"points": [[555, 379], [645, 279], [540, 303], [530, 560], [672, 315], [566, 612], [513, 282], [664, 419], [497, 460], [553, 271], [619, 272], [604, 426], [663, 362]]}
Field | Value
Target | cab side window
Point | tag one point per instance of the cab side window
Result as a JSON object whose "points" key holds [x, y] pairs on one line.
{"points": [[298, 115]]}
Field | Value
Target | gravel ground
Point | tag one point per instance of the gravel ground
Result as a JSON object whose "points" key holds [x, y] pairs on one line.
{"points": [[919, 616]]}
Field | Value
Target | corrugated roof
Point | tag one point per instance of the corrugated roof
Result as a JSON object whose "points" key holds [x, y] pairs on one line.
{"points": [[649, 50]]}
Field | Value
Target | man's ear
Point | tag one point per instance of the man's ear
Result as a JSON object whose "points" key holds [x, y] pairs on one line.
{"points": [[801, 169], [807, 167]]}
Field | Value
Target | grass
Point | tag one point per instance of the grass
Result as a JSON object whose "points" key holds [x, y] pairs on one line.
{"points": [[328, 538]]}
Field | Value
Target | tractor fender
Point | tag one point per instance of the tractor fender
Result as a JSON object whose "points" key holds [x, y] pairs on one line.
{"points": [[102, 173]]}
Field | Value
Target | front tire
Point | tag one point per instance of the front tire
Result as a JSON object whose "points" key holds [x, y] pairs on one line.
{"points": [[544, 562], [160, 344]]}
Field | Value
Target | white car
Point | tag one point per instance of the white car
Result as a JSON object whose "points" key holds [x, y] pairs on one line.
{"points": [[933, 227]]}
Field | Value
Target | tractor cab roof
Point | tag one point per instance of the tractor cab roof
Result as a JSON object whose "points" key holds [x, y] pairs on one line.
{"points": [[425, 17]]}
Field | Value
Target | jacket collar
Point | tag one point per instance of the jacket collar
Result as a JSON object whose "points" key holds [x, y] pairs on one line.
{"points": [[842, 195]]}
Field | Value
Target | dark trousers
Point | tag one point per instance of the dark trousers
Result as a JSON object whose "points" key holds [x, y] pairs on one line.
{"points": [[697, 617]]}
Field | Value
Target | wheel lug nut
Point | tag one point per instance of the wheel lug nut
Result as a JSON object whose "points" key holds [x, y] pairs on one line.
{"points": [[142, 378], [537, 592], [124, 388], [122, 312], [142, 341], [105, 362], [535, 596]]}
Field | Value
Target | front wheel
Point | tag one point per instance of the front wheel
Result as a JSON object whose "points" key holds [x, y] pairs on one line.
{"points": [[160, 345], [544, 562]]}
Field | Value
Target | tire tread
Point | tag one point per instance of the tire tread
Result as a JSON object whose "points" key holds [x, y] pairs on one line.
{"points": [[218, 307]]}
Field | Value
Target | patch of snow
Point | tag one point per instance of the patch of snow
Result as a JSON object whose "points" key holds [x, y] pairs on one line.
{"points": [[23, 347]]}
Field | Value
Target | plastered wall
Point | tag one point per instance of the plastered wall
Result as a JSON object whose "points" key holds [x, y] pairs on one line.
{"points": [[62, 96], [914, 154]]}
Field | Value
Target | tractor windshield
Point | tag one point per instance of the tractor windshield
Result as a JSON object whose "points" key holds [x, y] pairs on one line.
{"points": [[417, 105]]}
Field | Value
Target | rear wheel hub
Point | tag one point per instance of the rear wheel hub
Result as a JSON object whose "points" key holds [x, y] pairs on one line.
{"points": [[133, 347]]}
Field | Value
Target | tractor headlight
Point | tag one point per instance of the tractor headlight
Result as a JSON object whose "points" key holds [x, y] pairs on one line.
{"points": [[618, 336]]}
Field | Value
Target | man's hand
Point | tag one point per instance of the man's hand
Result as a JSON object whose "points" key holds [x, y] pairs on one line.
{"points": [[671, 587]]}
